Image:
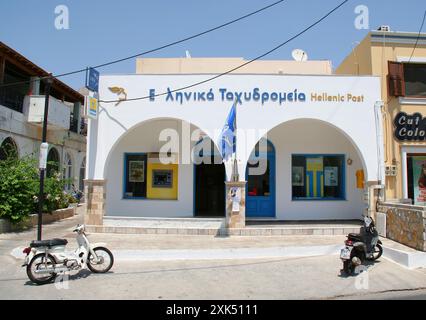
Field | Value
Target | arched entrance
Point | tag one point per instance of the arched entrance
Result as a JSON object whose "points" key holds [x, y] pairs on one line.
{"points": [[209, 181], [68, 174], [8, 149], [260, 202], [82, 175], [53, 161]]}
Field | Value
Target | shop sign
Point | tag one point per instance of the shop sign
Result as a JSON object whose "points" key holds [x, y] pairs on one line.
{"points": [[410, 127]]}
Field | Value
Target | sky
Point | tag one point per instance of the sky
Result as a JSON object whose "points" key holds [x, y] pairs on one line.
{"points": [[101, 31]]}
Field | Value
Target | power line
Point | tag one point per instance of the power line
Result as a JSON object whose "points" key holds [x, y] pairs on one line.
{"points": [[237, 68], [418, 37], [158, 48]]}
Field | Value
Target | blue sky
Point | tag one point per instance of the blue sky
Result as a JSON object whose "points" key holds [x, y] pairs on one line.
{"points": [[101, 30]]}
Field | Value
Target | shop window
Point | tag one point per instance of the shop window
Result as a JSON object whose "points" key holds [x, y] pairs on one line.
{"points": [[135, 172], [417, 178], [318, 177]]}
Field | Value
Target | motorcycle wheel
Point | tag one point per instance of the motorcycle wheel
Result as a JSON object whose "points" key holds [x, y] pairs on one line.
{"points": [[378, 252], [106, 260], [348, 268], [36, 263]]}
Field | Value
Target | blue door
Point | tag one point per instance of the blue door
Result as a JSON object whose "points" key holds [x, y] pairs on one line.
{"points": [[260, 201]]}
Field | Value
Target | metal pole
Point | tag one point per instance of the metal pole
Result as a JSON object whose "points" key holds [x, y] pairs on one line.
{"points": [[48, 82]]}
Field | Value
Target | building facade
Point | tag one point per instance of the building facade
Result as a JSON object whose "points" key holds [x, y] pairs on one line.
{"points": [[154, 151], [22, 111], [399, 59]]}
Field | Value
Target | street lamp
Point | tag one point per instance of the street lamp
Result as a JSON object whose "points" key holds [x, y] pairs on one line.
{"points": [[43, 154]]}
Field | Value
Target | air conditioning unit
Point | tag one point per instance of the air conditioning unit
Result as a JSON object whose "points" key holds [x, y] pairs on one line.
{"points": [[391, 171], [384, 28]]}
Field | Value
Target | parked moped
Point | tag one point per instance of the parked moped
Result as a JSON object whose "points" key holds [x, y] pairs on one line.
{"points": [[46, 259], [361, 247]]}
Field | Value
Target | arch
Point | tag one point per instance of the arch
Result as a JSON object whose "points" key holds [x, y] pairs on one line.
{"points": [[146, 121], [82, 174], [328, 124], [9, 149], [53, 162], [68, 171]]}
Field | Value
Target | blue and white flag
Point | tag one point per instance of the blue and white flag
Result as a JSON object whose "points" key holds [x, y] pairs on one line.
{"points": [[228, 139]]}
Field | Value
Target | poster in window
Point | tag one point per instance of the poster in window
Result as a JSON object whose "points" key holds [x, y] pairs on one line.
{"points": [[331, 175], [162, 179], [419, 178], [137, 171], [298, 176]]}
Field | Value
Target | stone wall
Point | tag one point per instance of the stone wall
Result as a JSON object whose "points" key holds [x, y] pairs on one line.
{"points": [[32, 220], [405, 224], [95, 196]]}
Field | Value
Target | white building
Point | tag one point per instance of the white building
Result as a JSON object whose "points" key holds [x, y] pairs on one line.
{"points": [[319, 134], [22, 111]]}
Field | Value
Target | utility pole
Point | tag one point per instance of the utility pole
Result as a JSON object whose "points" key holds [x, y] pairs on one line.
{"points": [[43, 155]]}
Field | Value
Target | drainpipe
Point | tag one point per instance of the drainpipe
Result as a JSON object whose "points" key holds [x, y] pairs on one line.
{"points": [[381, 176]]}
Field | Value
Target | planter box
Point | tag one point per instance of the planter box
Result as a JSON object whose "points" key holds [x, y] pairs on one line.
{"points": [[32, 220]]}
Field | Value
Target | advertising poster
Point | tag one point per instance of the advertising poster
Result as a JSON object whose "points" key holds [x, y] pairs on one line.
{"points": [[137, 171], [331, 175], [419, 179]]}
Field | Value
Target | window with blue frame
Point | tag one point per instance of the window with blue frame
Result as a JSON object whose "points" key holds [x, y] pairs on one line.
{"points": [[318, 177], [135, 175]]}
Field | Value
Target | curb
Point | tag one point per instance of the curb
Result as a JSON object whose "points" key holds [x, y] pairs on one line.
{"points": [[410, 260]]}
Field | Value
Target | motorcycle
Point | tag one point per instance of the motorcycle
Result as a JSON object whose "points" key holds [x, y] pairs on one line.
{"points": [[46, 259], [362, 247], [77, 194]]}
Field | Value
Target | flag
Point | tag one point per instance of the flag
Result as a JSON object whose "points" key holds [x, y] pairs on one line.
{"points": [[228, 140]]}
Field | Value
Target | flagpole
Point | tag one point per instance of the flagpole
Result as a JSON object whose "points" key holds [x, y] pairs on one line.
{"points": [[235, 176]]}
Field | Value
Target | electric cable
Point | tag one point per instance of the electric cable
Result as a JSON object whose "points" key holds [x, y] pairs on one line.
{"points": [[153, 50], [418, 37], [236, 68]]}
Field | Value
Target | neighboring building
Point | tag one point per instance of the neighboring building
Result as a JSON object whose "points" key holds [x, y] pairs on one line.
{"points": [[391, 56], [22, 112], [321, 147]]}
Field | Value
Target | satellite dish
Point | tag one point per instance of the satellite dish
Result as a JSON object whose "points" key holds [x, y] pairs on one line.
{"points": [[299, 55]]}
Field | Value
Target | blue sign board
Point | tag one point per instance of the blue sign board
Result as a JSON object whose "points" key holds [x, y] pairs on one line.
{"points": [[93, 80]]}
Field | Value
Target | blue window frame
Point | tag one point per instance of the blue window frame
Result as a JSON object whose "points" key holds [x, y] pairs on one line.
{"points": [[135, 176], [318, 177]]}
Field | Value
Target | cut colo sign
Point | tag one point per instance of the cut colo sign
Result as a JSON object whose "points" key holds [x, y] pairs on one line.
{"points": [[256, 95], [410, 128]]}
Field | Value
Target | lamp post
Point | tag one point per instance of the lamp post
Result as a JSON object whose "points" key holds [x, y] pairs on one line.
{"points": [[43, 155]]}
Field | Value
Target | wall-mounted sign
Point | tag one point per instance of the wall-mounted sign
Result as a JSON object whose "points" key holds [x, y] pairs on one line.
{"points": [[410, 127], [92, 107], [92, 80]]}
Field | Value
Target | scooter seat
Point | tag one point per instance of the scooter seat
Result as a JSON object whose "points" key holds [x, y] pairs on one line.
{"points": [[49, 243], [355, 236]]}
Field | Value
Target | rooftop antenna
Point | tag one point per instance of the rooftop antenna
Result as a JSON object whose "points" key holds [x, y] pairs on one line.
{"points": [[299, 55]]}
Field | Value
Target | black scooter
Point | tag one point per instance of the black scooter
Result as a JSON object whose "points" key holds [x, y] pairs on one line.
{"points": [[362, 247]]}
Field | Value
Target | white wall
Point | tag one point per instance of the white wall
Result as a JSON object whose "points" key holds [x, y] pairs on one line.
{"points": [[313, 137], [144, 139]]}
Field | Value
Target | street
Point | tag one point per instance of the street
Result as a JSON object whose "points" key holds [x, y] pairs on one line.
{"points": [[287, 278]]}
